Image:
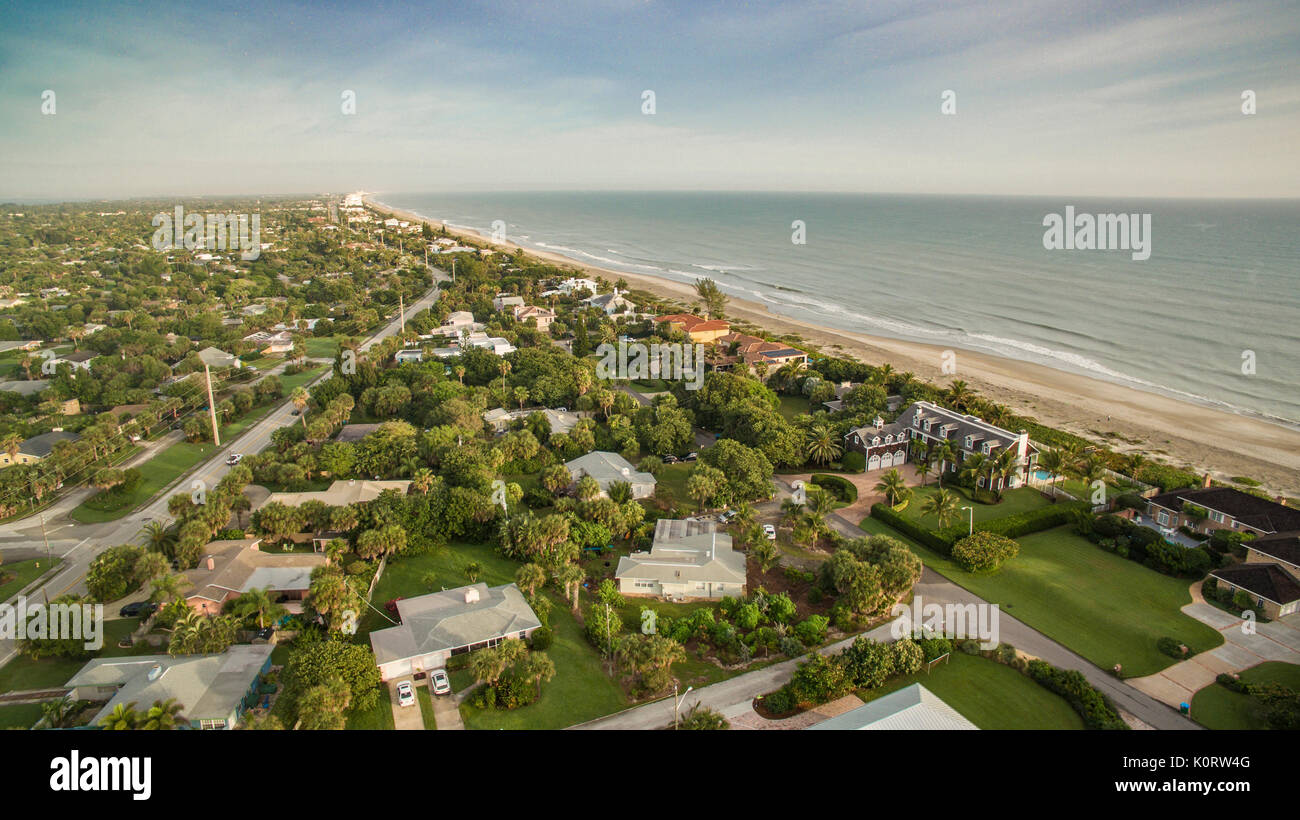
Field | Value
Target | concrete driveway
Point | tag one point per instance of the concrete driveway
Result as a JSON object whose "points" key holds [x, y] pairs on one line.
{"points": [[446, 711], [405, 717]]}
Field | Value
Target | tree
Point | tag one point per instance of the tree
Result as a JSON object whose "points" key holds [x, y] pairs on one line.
{"points": [[943, 504], [529, 578], [300, 399], [164, 715], [325, 705], [823, 444], [318, 662], [893, 486], [699, 718], [712, 297], [984, 551], [258, 606], [123, 717]]}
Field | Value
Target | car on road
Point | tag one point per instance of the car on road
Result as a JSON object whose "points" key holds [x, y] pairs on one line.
{"points": [[770, 532], [138, 609], [235, 458], [405, 694], [726, 517], [439, 683]]}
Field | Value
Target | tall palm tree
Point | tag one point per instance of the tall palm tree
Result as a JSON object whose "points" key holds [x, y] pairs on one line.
{"points": [[943, 504], [1055, 461], [959, 395], [257, 604], [974, 468], [11, 444], [923, 469], [823, 445], [300, 399], [893, 486], [945, 456], [122, 717]]}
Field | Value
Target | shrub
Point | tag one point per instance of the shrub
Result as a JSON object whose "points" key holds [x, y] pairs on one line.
{"points": [[935, 647], [1097, 710], [355, 568], [781, 702], [838, 486], [812, 630], [853, 462], [1232, 683], [984, 551], [541, 639], [1173, 648]]}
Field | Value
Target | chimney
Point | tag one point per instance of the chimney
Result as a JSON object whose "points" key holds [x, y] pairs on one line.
{"points": [[879, 423], [471, 595], [211, 563], [1207, 480]]}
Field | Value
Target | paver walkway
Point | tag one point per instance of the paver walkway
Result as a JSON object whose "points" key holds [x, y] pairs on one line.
{"points": [[1275, 641]]}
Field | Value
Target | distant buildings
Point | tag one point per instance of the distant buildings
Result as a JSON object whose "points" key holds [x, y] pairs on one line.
{"points": [[341, 493], [688, 560], [37, 448], [217, 359], [540, 316], [741, 348], [611, 304], [228, 569], [561, 421], [697, 329]]}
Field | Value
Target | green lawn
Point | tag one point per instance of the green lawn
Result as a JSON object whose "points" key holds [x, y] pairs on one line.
{"points": [[1216, 707], [674, 476], [19, 715], [22, 673], [1106, 608], [989, 694], [426, 706], [379, 718], [23, 573], [1013, 501], [794, 406]]}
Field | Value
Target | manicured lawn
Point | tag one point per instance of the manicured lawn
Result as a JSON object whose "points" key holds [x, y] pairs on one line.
{"points": [[22, 673], [19, 715], [1216, 707], [1108, 609], [23, 573], [674, 476], [793, 406], [1013, 501], [379, 718], [323, 347], [990, 695]]}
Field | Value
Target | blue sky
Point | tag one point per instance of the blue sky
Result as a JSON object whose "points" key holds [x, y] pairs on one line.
{"points": [[1098, 98]]}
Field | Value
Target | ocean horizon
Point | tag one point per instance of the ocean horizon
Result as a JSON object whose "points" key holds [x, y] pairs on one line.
{"points": [[1217, 295]]}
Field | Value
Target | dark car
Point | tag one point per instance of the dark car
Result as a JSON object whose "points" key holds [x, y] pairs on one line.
{"points": [[671, 459], [691, 456], [138, 609]]}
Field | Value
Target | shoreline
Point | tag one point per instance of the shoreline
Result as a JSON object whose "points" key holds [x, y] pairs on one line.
{"points": [[1126, 418]]}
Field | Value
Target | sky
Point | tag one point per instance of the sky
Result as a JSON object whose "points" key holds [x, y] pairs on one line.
{"points": [[1099, 98]]}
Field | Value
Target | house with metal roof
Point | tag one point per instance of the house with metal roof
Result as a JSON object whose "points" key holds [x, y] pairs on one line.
{"points": [[228, 569], [608, 468], [688, 559], [913, 708], [440, 625], [213, 690]]}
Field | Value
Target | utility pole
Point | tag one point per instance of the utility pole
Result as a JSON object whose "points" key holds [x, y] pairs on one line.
{"points": [[401, 311], [45, 538], [212, 407]]}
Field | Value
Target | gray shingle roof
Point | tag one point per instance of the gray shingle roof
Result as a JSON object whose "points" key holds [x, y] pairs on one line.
{"points": [[912, 708], [445, 620]]}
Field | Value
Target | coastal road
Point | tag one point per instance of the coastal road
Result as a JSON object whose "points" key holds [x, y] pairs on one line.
{"points": [[78, 544]]}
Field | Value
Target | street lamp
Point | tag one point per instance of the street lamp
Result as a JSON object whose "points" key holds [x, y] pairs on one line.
{"points": [[971, 531], [677, 702]]}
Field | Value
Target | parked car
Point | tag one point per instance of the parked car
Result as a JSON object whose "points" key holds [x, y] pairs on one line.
{"points": [[439, 683], [726, 517], [139, 609], [671, 459], [405, 694], [770, 532], [691, 456]]}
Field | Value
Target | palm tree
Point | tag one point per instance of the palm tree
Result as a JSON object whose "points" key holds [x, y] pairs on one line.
{"points": [[974, 468], [11, 444], [923, 469], [122, 717], [459, 370], [529, 578], [300, 399], [164, 715], [946, 457], [257, 603], [1055, 462], [570, 577], [893, 486], [823, 446], [504, 367], [944, 504], [959, 395]]}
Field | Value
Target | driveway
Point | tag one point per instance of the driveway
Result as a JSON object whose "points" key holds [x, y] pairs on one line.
{"points": [[405, 717], [446, 711], [1274, 641]]}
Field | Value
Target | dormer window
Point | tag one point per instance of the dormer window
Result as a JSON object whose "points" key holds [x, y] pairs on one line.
{"points": [[889, 439], [969, 441], [875, 440], [927, 425]]}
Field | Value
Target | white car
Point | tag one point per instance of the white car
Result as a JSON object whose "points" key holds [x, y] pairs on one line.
{"points": [[770, 532], [438, 682], [405, 694], [235, 458]]}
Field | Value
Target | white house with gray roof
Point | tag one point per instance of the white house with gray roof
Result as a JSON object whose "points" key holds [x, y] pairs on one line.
{"points": [[451, 622], [688, 559], [608, 468], [213, 690], [913, 708]]}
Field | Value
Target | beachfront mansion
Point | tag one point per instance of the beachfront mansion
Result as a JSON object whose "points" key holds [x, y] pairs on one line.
{"points": [[889, 445]]}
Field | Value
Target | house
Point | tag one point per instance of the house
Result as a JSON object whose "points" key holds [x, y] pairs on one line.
{"points": [[561, 421], [458, 323], [912, 708], [741, 348], [217, 359], [213, 690], [91, 328], [611, 304], [688, 560], [271, 344], [79, 360], [341, 493], [697, 329], [440, 625], [228, 569], [933, 425], [504, 300], [542, 317], [404, 356], [1271, 571], [573, 285], [608, 468], [38, 447], [496, 344], [355, 432]]}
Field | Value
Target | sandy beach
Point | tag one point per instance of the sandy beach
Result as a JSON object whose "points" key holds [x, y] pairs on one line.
{"points": [[1126, 419]]}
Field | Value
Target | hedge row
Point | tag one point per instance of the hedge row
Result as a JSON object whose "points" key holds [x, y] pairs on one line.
{"points": [[1010, 526], [1097, 710], [838, 486]]}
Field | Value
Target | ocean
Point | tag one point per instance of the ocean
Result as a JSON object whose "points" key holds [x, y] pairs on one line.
{"points": [[1212, 316]]}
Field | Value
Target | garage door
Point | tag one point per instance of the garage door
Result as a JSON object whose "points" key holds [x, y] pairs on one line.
{"points": [[396, 669]]}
